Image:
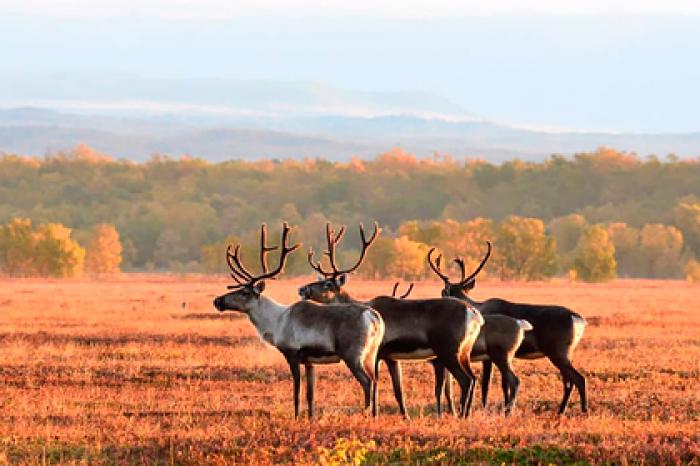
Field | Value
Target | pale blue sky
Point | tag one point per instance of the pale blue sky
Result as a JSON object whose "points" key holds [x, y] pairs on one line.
{"points": [[616, 65]]}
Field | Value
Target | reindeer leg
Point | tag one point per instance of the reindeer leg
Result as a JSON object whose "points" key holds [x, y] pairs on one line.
{"points": [[472, 385], [509, 382], [375, 388], [310, 380], [485, 381], [395, 373], [514, 389], [439, 371], [359, 372], [448, 394], [571, 378], [296, 376], [568, 388], [455, 367]]}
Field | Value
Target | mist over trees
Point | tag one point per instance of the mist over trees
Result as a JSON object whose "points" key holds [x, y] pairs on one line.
{"points": [[178, 215]]}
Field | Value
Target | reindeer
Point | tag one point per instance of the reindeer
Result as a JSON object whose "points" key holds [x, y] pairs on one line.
{"points": [[556, 329], [441, 330], [499, 339], [304, 332]]}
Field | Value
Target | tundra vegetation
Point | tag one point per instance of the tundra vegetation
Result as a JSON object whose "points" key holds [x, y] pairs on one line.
{"points": [[93, 374]]}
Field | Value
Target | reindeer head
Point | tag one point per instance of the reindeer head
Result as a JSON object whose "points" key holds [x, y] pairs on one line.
{"points": [[461, 288], [248, 288], [328, 287]]}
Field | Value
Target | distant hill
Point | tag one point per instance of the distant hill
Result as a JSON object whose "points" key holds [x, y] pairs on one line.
{"points": [[138, 135]]}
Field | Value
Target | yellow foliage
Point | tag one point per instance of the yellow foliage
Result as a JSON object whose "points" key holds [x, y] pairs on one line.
{"points": [[344, 452], [104, 255], [524, 251], [692, 271], [661, 246], [58, 255], [48, 251], [467, 239], [595, 256], [17, 246], [408, 259]]}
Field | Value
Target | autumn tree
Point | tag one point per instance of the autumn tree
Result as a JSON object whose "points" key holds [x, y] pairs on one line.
{"points": [[660, 248], [524, 251], [56, 253], [104, 254], [17, 247], [595, 256], [165, 209], [626, 241], [468, 240], [567, 231], [692, 271], [408, 259], [47, 251], [431, 233], [687, 218]]}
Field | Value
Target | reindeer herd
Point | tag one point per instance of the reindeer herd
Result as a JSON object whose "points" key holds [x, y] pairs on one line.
{"points": [[329, 326]]}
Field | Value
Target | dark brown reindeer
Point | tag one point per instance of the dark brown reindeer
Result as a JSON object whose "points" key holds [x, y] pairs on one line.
{"points": [[305, 332], [556, 329], [499, 339], [440, 330]]}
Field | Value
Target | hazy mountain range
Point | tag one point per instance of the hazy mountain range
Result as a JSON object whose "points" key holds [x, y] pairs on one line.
{"points": [[221, 119]]}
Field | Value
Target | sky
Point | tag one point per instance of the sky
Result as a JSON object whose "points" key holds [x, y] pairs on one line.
{"points": [[368, 8], [612, 65]]}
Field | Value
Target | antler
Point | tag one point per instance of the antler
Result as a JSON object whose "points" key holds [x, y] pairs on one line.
{"points": [[436, 266], [365, 246], [332, 239], [462, 268], [408, 291], [238, 271], [264, 249], [245, 278], [460, 263]]}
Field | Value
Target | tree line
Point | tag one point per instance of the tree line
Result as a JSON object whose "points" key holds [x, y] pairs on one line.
{"points": [[50, 250], [592, 216]]}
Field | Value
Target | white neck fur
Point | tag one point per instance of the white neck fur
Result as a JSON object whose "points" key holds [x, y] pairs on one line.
{"points": [[268, 316]]}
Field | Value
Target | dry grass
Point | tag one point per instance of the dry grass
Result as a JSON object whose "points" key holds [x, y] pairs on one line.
{"points": [[118, 371]]}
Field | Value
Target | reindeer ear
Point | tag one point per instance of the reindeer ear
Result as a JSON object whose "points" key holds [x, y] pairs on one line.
{"points": [[340, 281], [469, 285], [259, 287]]}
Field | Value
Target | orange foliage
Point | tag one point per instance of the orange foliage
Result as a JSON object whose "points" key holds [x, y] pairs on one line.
{"points": [[140, 369]]}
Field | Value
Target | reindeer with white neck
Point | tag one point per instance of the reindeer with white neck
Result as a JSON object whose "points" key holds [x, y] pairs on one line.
{"points": [[304, 332]]}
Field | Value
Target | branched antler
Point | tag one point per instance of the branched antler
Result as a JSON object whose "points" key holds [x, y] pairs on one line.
{"points": [[242, 276], [460, 263], [332, 240]]}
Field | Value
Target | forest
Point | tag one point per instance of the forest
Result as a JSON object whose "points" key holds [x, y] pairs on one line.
{"points": [[592, 216]]}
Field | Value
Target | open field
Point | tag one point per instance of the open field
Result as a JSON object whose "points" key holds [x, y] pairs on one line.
{"points": [[141, 369]]}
